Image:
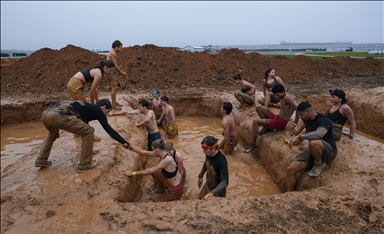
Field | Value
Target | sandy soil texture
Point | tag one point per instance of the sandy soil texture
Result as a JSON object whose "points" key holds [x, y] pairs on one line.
{"points": [[346, 198]]}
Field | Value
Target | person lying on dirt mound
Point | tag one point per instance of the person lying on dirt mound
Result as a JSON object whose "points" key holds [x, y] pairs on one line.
{"points": [[229, 126], [92, 75], [148, 120], [246, 96], [171, 128], [339, 113], [73, 116], [322, 147], [270, 80], [167, 166], [269, 120], [216, 167]]}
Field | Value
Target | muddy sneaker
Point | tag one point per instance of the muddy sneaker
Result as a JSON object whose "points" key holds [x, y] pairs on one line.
{"points": [[117, 107], [316, 170], [86, 166], [96, 138], [245, 107], [239, 107], [250, 147], [42, 162]]}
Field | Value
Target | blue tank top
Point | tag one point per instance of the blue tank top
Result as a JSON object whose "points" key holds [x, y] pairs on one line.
{"points": [[336, 117]]}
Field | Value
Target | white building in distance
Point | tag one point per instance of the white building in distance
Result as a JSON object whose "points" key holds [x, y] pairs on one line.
{"points": [[193, 48]]}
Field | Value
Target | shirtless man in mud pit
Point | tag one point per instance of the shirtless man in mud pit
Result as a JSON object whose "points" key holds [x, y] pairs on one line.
{"points": [[157, 107], [230, 134], [148, 121], [171, 129], [112, 55], [269, 120]]}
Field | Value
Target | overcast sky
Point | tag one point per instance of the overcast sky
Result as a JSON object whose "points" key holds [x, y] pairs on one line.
{"points": [[95, 25]]}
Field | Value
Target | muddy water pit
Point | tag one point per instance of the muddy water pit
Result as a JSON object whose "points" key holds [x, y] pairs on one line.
{"points": [[246, 175]]}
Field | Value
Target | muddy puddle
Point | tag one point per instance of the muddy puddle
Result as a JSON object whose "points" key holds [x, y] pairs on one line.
{"points": [[246, 176]]}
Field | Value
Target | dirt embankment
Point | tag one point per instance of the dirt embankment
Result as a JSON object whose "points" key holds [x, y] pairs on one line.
{"points": [[347, 198], [48, 71]]}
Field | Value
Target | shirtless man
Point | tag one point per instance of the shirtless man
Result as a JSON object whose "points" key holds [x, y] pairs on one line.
{"points": [[148, 121], [171, 129], [246, 96], [230, 134], [112, 55], [269, 120], [157, 107]]}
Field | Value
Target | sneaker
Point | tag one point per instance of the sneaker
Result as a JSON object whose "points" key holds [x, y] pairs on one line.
{"points": [[245, 107], [96, 138], [239, 107], [42, 162], [316, 170], [250, 147], [86, 166]]}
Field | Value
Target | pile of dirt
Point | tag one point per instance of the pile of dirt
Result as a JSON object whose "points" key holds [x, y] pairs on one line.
{"points": [[48, 71]]}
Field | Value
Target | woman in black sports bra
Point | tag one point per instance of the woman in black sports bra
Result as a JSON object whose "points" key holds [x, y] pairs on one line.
{"points": [[75, 86], [268, 82], [167, 167], [339, 113]]}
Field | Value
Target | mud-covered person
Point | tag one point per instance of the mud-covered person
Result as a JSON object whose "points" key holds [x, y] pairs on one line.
{"points": [[339, 113], [73, 116], [171, 128], [228, 124], [270, 80], [269, 120], [216, 169], [157, 107], [159, 179], [246, 96], [321, 144], [75, 86], [168, 167], [148, 120], [117, 46]]}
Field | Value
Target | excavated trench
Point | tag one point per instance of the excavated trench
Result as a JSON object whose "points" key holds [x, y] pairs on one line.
{"points": [[273, 155]]}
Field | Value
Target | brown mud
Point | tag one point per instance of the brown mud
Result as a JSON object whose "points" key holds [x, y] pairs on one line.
{"points": [[346, 198]]}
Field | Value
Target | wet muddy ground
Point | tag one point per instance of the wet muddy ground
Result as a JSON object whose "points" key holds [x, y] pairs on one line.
{"points": [[347, 198]]}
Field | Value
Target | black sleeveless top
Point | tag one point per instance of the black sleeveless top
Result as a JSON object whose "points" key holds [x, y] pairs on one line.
{"points": [[87, 74], [336, 117], [167, 174], [272, 84]]}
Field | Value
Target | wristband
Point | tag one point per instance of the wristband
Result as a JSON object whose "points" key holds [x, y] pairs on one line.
{"points": [[134, 173], [294, 124]]}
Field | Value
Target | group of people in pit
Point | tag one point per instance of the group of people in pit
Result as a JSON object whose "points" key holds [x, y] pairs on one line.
{"points": [[74, 116]]}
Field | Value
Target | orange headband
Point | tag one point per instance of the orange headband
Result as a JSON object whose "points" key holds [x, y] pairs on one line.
{"points": [[204, 146]]}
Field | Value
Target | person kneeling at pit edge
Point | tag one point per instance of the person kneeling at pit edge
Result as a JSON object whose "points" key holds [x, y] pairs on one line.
{"points": [[73, 116]]}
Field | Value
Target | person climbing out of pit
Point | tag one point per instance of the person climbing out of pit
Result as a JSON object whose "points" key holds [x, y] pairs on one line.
{"points": [[216, 167], [160, 181], [73, 116], [339, 113], [321, 144], [246, 96], [269, 120], [148, 120], [270, 80], [171, 128], [228, 124], [167, 166], [117, 47]]}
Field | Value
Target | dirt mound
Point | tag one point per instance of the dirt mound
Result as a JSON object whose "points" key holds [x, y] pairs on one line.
{"points": [[149, 66]]}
